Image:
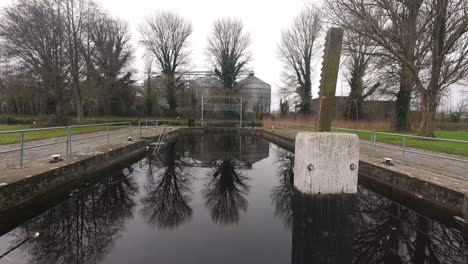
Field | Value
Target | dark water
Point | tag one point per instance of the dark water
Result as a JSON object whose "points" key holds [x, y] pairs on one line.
{"points": [[226, 199]]}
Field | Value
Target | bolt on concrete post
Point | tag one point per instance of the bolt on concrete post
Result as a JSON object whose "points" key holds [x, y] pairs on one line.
{"points": [[330, 67], [326, 163]]}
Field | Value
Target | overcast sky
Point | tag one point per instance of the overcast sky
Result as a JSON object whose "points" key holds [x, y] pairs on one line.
{"points": [[263, 19]]}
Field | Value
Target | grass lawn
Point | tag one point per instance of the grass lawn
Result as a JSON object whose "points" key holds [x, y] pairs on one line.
{"points": [[447, 147], [37, 135]]}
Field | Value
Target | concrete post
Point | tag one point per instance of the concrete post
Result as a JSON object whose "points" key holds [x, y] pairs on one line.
{"points": [[330, 67], [326, 163]]}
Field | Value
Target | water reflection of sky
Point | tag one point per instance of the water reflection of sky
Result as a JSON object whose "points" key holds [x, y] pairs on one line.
{"points": [[226, 199]]}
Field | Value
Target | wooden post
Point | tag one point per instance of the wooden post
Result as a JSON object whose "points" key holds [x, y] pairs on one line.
{"points": [[330, 67], [326, 163]]}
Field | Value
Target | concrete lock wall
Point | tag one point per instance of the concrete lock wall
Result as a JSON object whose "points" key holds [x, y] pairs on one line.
{"points": [[326, 163], [29, 188]]}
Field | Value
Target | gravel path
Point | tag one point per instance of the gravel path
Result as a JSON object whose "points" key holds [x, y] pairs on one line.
{"points": [[447, 167], [99, 139]]}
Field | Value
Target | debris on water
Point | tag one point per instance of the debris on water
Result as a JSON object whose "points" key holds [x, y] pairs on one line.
{"points": [[73, 192]]}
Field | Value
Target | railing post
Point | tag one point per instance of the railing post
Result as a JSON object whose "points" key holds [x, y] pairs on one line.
{"points": [[68, 141], [404, 148], [130, 129], [373, 143], [108, 139], [202, 110], [139, 125], [241, 112], [21, 148], [71, 141]]}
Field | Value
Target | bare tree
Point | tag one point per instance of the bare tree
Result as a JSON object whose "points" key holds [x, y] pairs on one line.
{"points": [[33, 33], [396, 27], [361, 72], [111, 57], [428, 39], [447, 61], [75, 15], [165, 36], [296, 50], [228, 50]]}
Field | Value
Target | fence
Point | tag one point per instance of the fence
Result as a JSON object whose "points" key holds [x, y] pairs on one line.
{"points": [[68, 141], [373, 137], [150, 124]]}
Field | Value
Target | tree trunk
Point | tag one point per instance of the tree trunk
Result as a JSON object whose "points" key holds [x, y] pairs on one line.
{"points": [[406, 78], [79, 110], [428, 109], [429, 98], [403, 100], [171, 94]]}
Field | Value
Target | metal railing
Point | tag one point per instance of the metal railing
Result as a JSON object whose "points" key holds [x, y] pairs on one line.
{"points": [[151, 124], [68, 141], [404, 148]]}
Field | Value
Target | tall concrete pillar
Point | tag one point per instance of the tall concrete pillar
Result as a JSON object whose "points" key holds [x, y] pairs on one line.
{"points": [[330, 67], [326, 163]]}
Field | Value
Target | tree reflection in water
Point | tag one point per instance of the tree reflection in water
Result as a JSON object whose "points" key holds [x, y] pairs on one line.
{"points": [[224, 193], [84, 227], [322, 228], [168, 193], [281, 195], [387, 232], [384, 231]]}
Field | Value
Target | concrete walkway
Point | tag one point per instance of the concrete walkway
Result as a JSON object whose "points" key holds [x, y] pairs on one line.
{"points": [[451, 168], [12, 160]]}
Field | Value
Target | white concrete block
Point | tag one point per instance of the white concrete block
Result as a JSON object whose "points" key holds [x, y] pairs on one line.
{"points": [[326, 163]]}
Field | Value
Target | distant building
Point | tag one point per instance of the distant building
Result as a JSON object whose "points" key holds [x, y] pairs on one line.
{"points": [[255, 93]]}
